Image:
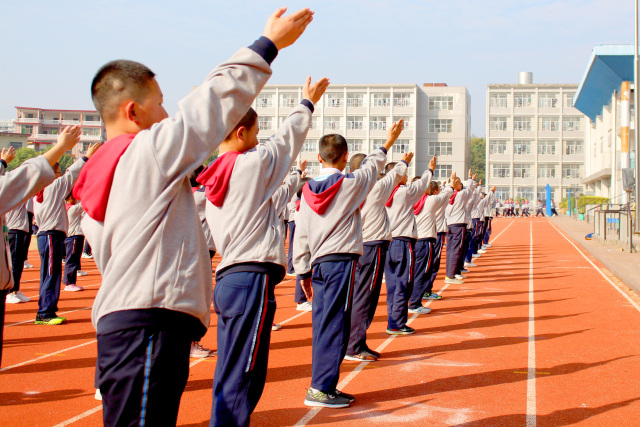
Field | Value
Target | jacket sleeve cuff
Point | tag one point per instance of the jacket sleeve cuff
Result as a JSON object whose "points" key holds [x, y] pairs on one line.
{"points": [[299, 171], [307, 103], [432, 171], [305, 275], [3, 163], [265, 48], [405, 162], [85, 158], [384, 150]]}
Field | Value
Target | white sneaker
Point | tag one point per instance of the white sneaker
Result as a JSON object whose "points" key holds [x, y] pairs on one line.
{"points": [[469, 265], [87, 256], [72, 287], [82, 273], [22, 297], [276, 327], [460, 277], [420, 310], [482, 251], [12, 298], [476, 255], [198, 351], [304, 306], [98, 395], [453, 281], [487, 246], [27, 265]]}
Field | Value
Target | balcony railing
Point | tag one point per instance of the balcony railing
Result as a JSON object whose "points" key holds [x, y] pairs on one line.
{"points": [[28, 120]]}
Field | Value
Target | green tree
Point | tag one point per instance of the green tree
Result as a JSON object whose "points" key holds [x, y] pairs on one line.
{"points": [[478, 156], [22, 154]]}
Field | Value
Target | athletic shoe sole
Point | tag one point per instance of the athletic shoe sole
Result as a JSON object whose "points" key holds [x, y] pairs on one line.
{"points": [[315, 404], [54, 321]]}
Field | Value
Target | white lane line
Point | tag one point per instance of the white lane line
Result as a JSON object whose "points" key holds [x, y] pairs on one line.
{"points": [[47, 355], [79, 417], [32, 320], [531, 371], [598, 269], [38, 280]]}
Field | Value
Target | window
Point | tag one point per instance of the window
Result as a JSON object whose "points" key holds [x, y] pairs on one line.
{"points": [[498, 100], [377, 143], [542, 194], [381, 100], [498, 123], [442, 172], [503, 193], [568, 99], [264, 101], [289, 99], [16, 145], [440, 125], [355, 100], [522, 123], [440, 103], [570, 123], [547, 100], [500, 170], [440, 148], [355, 146], [521, 170], [85, 131], [407, 122], [88, 118], [378, 123], [521, 147], [355, 122], [571, 171], [332, 122], [401, 146], [546, 171], [264, 122], [401, 99], [497, 147], [547, 147], [525, 193], [85, 146], [550, 124], [27, 129], [309, 146], [522, 99], [334, 100], [313, 168], [573, 147]]}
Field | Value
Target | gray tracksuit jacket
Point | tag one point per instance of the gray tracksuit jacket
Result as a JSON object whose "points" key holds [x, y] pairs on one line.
{"points": [[150, 249], [75, 214], [17, 219], [15, 188], [375, 220], [201, 207], [401, 218], [338, 230], [457, 212], [490, 206], [246, 228], [427, 218]]}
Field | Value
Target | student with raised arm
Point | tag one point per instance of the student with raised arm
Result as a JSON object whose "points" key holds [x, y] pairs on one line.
{"points": [[156, 291], [457, 222], [489, 212], [376, 236], [19, 185]]}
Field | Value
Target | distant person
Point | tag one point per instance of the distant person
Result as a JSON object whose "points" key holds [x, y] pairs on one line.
{"points": [[553, 208]]}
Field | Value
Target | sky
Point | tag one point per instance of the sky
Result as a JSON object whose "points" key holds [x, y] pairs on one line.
{"points": [[53, 49]]}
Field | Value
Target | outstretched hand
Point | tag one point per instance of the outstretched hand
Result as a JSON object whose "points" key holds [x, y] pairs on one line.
{"points": [[475, 175], [8, 154], [92, 149], [453, 176], [302, 165], [493, 189], [433, 163], [313, 92], [407, 157], [69, 137], [284, 31]]}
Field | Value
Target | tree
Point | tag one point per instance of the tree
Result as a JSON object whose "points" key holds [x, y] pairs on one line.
{"points": [[22, 154], [478, 156]]}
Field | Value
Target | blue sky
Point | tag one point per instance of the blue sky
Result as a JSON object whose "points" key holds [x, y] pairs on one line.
{"points": [[52, 49]]}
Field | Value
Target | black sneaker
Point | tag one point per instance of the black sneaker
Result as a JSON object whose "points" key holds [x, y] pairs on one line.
{"points": [[348, 396], [373, 353], [325, 400], [405, 330]]}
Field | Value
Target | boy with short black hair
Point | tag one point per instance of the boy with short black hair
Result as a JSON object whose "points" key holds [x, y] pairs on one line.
{"points": [[327, 244], [74, 243], [155, 297]]}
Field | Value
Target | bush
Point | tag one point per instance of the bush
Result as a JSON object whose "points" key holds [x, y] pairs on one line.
{"points": [[590, 200]]}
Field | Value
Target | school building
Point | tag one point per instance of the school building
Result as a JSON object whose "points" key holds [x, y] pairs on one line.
{"points": [[437, 121], [43, 126], [535, 138]]}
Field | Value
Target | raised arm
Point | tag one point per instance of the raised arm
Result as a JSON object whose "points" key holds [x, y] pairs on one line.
{"points": [[24, 182], [416, 189]]}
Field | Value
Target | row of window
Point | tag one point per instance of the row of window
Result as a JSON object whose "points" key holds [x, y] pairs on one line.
{"points": [[337, 100], [525, 99], [544, 123], [525, 170], [358, 123], [545, 147], [435, 148], [503, 193]]}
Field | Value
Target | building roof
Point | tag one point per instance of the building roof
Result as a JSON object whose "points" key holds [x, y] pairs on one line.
{"points": [[608, 67], [58, 110]]}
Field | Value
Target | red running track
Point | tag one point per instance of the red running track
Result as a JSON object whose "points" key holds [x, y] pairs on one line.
{"points": [[539, 334]]}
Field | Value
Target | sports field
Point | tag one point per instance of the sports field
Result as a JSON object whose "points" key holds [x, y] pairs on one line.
{"points": [[539, 334]]}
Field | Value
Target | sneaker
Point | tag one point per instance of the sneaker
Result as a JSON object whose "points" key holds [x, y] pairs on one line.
{"points": [[276, 327], [12, 298], [325, 400], [469, 265], [476, 255], [460, 276], [431, 295], [373, 353], [82, 273], [363, 356], [22, 297], [464, 270], [405, 330], [420, 310], [198, 351], [487, 246], [453, 281], [348, 396], [73, 288], [27, 265], [98, 395], [55, 320], [482, 251], [87, 256], [304, 306]]}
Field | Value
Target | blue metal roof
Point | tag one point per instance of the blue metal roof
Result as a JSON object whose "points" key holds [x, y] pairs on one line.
{"points": [[609, 66]]}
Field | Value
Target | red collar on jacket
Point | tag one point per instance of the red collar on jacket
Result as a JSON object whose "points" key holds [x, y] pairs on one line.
{"points": [[417, 208], [216, 177], [390, 200], [453, 197], [320, 202]]}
